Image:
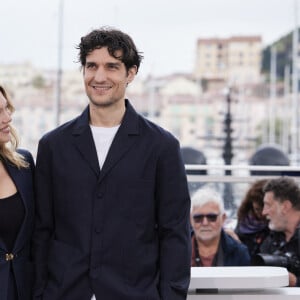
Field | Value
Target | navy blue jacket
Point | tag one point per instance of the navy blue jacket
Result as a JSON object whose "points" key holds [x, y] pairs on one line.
{"points": [[122, 231], [21, 263], [235, 253]]}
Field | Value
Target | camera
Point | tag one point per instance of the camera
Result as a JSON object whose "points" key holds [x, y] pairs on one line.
{"points": [[278, 259]]}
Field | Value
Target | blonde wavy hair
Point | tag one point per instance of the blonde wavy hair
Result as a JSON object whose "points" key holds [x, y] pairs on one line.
{"points": [[8, 151]]}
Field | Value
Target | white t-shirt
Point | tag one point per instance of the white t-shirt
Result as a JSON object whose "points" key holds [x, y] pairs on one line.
{"points": [[103, 137]]}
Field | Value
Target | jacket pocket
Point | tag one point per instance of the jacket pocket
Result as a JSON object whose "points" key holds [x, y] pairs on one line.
{"points": [[61, 256]]}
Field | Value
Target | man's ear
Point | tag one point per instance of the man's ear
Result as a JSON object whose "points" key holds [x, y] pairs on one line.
{"points": [[224, 217], [191, 219], [286, 205], [131, 74]]}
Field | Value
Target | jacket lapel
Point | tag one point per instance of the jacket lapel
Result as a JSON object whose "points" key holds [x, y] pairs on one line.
{"points": [[123, 141], [125, 138], [83, 141]]}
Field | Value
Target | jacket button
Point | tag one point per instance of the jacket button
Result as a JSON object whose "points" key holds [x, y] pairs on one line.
{"points": [[100, 193], [97, 230]]}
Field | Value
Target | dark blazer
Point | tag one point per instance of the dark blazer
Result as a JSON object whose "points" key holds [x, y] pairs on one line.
{"points": [[122, 231], [235, 253], [21, 263]]}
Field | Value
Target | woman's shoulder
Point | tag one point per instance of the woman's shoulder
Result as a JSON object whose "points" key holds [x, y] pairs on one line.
{"points": [[27, 155], [24, 152]]}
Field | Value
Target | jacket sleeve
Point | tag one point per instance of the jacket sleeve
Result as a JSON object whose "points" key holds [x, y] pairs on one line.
{"points": [[173, 203], [44, 217]]}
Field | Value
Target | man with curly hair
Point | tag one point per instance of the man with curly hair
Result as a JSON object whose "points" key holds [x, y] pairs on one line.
{"points": [[112, 197]]}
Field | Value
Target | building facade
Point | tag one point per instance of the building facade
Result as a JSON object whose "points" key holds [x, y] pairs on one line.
{"points": [[235, 60]]}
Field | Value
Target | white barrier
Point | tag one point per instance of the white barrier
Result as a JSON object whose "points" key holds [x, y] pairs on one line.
{"points": [[240, 283]]}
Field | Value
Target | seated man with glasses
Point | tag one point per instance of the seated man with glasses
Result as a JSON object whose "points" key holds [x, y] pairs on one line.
{"points": [[211, 245]]}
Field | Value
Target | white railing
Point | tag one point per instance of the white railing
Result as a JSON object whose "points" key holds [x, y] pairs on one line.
{"points": [[239, 173], [233, 187]]}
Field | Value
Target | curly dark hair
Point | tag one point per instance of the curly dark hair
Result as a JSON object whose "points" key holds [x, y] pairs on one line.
{"points": [[284, 188], [254, 194], [114, 40]]}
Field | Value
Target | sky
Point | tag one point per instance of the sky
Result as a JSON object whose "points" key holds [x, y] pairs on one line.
{"points": [[166, 31]]}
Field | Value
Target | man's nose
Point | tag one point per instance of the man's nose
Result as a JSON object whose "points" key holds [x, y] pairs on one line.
{"points": [[205, 221], [100, 74], [264, 212]]}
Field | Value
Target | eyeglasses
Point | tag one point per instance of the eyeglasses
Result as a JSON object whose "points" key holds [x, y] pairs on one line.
{"points": [[198, 218]]}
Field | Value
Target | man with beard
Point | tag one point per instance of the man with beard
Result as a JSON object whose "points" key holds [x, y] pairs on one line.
{"points": [[282, 209]]}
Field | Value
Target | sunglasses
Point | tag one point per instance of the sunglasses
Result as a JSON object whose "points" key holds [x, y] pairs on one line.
{"points": [[198, 218]]}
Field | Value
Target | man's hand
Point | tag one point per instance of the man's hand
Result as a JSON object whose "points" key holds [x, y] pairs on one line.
{"points": [[292, 279]]}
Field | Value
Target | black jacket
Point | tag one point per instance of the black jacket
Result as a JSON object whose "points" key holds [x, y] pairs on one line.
{"points": [[21, 263], [285, 254], [253, 240], [122, 230]]}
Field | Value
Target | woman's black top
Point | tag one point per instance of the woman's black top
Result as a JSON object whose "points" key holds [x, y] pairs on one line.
{"points": [[12, 214]]}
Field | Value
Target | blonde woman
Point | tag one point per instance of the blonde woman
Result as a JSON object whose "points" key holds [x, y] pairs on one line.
{"points": [[16, 209]]}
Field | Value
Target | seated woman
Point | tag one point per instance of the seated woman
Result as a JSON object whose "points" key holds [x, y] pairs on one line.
{"points": [[211, 245], [252, 226]]}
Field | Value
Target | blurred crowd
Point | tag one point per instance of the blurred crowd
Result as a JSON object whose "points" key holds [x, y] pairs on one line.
{"points": [[267, 232]]}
